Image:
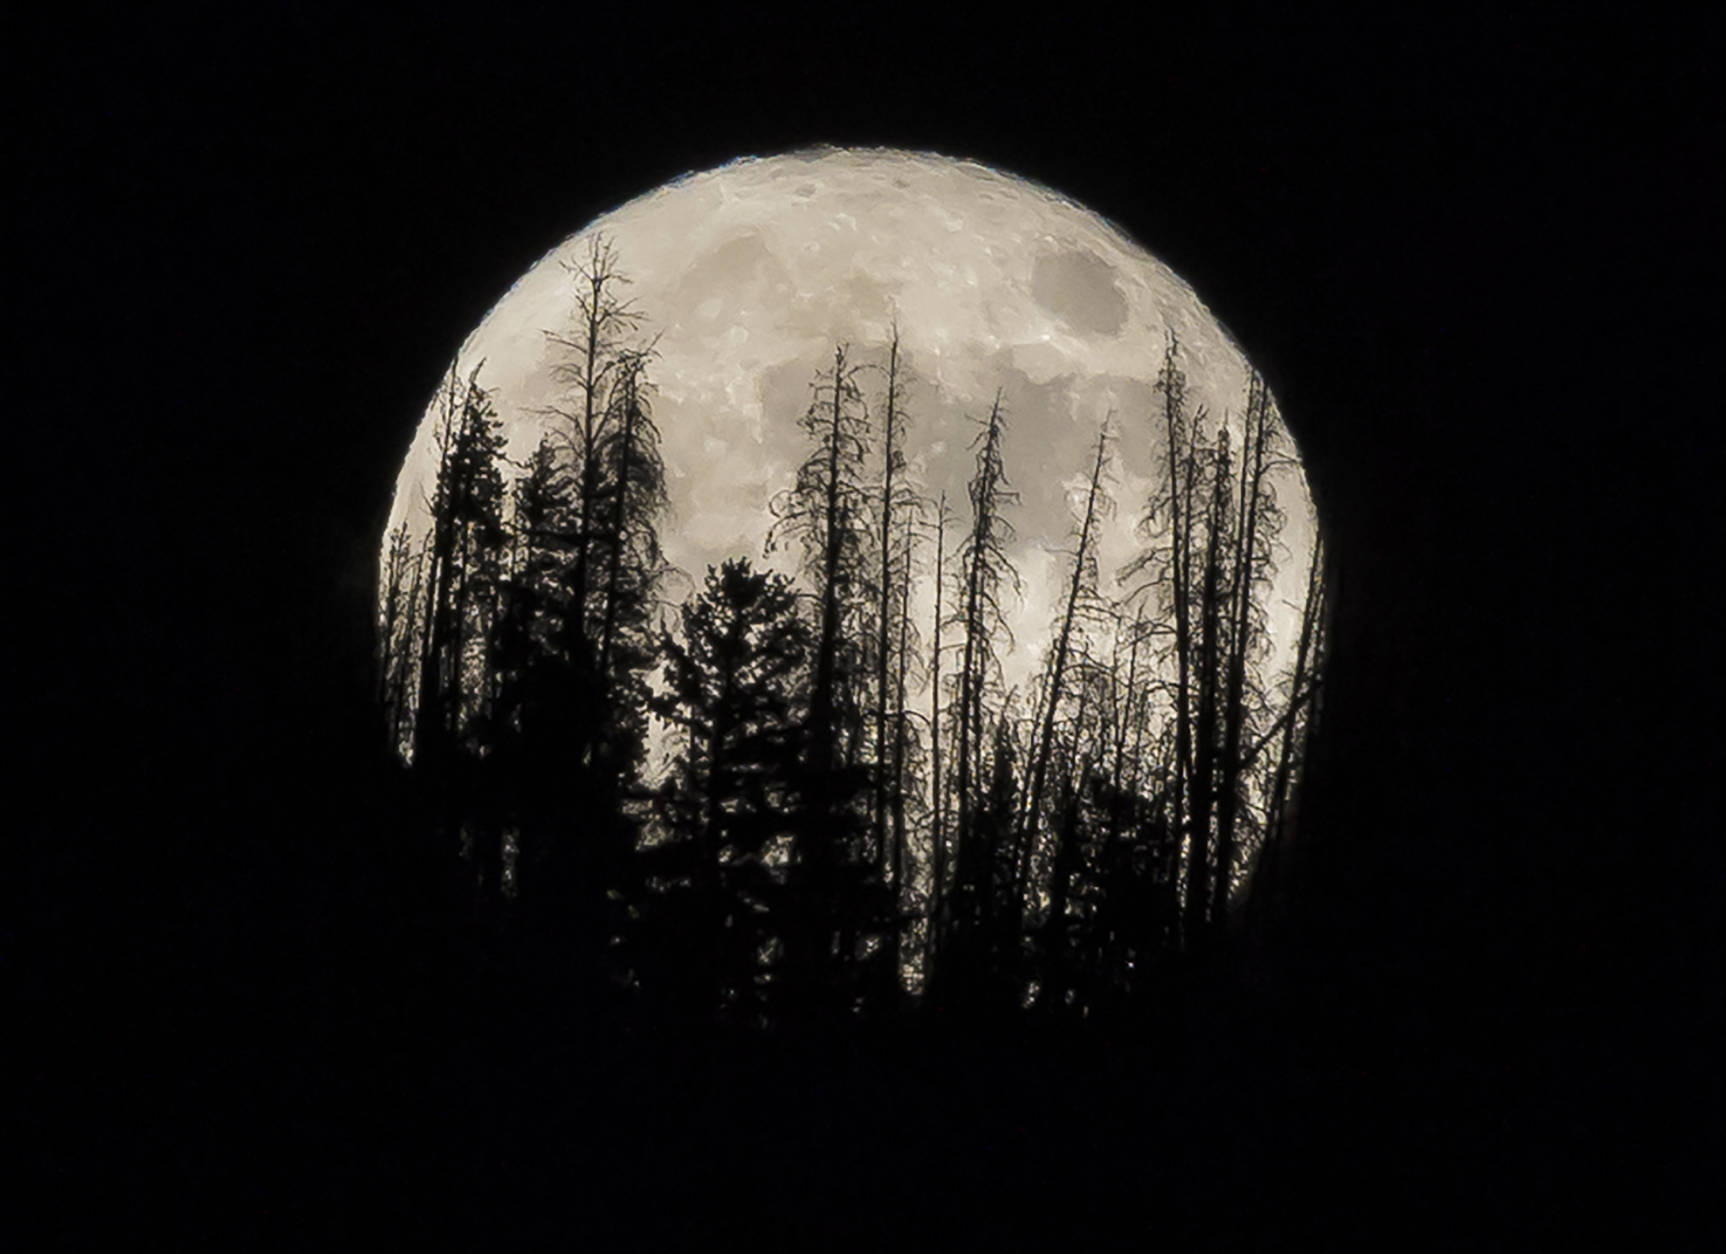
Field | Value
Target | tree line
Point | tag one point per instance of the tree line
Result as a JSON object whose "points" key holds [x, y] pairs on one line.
{"points": [[857, 814]]}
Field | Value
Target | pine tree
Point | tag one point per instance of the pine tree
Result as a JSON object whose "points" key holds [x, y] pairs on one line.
{"points": [[605, 630], [827, 512], [632, 487], [1082, 598], [1293, 729], [398, 615], [1258, 523], [737, 694], [463, 567], [986, 573], [1167, 564], [895, 503], [531, 735], [937, 780], [466, 540], [597, 350]]}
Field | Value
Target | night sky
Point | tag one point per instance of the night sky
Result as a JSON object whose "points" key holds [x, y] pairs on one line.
{"points": [[1455, 249]]}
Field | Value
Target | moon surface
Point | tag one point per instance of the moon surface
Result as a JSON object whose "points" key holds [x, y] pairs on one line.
{"points": [[751, 271]]}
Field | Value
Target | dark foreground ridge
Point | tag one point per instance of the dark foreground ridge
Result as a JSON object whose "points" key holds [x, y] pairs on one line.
{"points": [[346, 1064]]}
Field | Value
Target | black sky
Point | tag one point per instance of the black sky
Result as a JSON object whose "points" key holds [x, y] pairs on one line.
{"points": [[1458, 248]]}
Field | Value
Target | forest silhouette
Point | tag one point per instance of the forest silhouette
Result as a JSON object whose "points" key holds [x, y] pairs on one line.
{"points": [[262, 996], [788, 799]]}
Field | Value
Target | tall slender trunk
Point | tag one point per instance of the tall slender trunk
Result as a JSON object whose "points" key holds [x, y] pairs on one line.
{"points": [[1180, 458], [1127, 721], [1065, 858], [970, 678], [967, 691], [818, 850], [429, 713], [1040, 768], [394, 571], [590, 382], [403, 672], [619, 518], [937, 784], [1204, 757], [900, 733], [886, 591], [826, 657], [1246, 538], [712, 877], [1274, 817]]}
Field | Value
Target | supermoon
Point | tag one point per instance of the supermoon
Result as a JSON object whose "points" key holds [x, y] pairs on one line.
{"points": [[751, 272]]}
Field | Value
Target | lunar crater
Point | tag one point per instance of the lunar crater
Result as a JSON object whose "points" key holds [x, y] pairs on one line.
{"points": [[1082, 290], [753, 271]]}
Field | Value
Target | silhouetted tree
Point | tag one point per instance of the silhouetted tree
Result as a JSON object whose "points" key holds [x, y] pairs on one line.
{"points": [[987, 571], [597, 351], [1293, 728], [462, 571], [893, 505], [466, 533], [603, 557], [937, 780], [533, 739], [737, 693], [1081, 593], [1258, 523], [392, 610], [791, 861], [838, 901], [905, 769], [981, 965], [398, 619], [1169, 566]]}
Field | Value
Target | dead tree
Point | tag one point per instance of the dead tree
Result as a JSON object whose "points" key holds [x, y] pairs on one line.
{"points": [[988, 571], [1084, 569]]}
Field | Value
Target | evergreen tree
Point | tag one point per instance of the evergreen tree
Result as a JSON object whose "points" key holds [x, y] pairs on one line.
{"points": [[462, 572], [986, 572], [839, 902], [1082, 600], [895, 503], [737, 696], [398, 616], [1258, 522], [597, 350], [602, 637], [532, 736]]}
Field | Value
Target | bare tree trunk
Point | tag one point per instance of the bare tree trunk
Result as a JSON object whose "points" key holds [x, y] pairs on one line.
{"points": [[1298, 683], [1204, 758], [395, 566], [900, 732], [1180, 457], [937, 786], [886, 595], [619, 517], [970, 677], [1240, 611], [400, 680], [1064, 860], [1040, 767], [430, 716]]}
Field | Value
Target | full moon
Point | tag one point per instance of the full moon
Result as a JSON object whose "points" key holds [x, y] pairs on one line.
{"points": [[749, 274]]}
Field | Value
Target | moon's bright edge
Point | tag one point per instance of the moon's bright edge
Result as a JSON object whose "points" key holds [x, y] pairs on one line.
{"points": [[751, 271]]}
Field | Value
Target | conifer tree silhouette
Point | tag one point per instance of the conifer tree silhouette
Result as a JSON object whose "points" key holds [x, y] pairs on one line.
{"points": [[986, 572], [737, 694], [812, 822], [839, 903]]}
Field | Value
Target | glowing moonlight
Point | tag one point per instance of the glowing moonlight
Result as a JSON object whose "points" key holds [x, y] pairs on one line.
{"points": [[750, 274]]}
